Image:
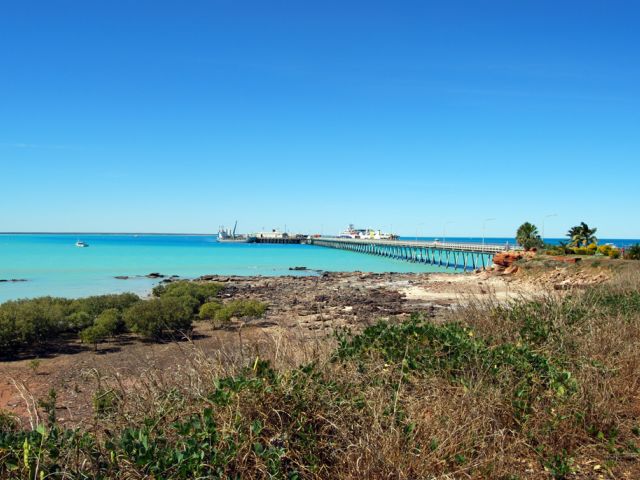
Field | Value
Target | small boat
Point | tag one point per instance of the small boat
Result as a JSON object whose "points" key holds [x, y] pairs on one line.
{"points": [[81, 244]]}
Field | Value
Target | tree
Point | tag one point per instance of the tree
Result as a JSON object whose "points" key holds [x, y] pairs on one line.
{"points": [[152, 318], [528, 237], [582, 235], [208, 310], [107, 324], [94, 334]]}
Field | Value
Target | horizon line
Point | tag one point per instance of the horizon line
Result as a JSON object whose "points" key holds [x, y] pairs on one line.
{"points": [[215, 234]]}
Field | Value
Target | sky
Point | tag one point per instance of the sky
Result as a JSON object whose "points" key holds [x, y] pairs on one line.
{"points": [[411, 116]]}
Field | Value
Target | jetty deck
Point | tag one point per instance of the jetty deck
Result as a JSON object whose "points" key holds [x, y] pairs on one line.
{"points": [[465, 256]]}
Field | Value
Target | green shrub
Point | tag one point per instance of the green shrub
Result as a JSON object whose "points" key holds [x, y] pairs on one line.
{"points": [[609, 251], [201, 291], [95, 305], [240, 308], [110, 321], [27, 322], [79, 320], [35, 321], [107, 324], [93, 335], [208, 310], [583, 251], [153, 318], [34, 364], [190, 303]]}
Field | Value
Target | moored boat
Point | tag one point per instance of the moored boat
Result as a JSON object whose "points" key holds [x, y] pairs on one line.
{"points": [[230, 236], [366, 233]]}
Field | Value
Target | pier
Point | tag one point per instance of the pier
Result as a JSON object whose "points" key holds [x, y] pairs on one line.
{"points": [[464, 256], [280, 240]]}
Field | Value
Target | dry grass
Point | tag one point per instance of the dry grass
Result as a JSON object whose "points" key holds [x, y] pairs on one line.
{"points": [[533, 389]]}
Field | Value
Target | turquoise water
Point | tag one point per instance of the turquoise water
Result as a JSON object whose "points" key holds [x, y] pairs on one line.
{"points": [[53, 265]]}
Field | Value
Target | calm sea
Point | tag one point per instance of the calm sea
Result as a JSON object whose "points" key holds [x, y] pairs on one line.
{"points": [[53, 265]]}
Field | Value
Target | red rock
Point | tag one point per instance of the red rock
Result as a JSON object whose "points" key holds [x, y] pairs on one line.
{"points": [[506, 259], [567, 259]]}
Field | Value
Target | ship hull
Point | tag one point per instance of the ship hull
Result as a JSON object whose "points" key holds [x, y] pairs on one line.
{"points": [[236, 240]]}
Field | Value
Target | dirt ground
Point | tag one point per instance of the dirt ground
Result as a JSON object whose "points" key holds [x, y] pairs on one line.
{"points": [[307, 309]]}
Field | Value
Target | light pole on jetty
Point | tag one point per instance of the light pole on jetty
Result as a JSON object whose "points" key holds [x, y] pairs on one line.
{"points": [[484, 224], [543, 222]]}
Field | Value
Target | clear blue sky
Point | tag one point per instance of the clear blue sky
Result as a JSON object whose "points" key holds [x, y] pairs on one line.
{"points": [[180, 116]]}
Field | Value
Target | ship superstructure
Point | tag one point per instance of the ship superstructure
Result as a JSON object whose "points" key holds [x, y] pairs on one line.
{"points": [[366, 233]]}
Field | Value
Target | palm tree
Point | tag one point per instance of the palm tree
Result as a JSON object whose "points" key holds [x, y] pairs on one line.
{"points": [[582, 235], [528, 237]]}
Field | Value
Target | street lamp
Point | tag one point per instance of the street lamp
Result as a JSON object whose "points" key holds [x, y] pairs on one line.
{"points": [[444, 231], [543, 222], [484, 223]]}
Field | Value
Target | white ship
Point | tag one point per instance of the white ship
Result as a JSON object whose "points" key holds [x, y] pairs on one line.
{"points": [[366, 233], [81, 244]]}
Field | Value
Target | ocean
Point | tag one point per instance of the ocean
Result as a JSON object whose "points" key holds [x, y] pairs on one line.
{"points": [[52, 265]]}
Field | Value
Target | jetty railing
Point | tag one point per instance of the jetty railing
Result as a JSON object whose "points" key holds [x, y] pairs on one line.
{"points": [[456, 255]]}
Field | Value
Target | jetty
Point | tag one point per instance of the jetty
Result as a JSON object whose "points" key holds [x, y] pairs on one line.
{"points": [[464, 256], [275, 236]]}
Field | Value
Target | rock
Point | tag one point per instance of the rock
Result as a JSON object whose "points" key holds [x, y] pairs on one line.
{"points": [[506, 259], [14, 280], [155, 275], [298, 268], [567, 259], [122, 277], [511, 270]]}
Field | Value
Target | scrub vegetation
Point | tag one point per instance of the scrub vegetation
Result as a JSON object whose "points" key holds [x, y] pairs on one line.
{"points": [[542, 388], [37, 324]]}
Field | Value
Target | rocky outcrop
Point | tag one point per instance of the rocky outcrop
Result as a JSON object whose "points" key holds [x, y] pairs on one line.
{"points": [[506, 259]]}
